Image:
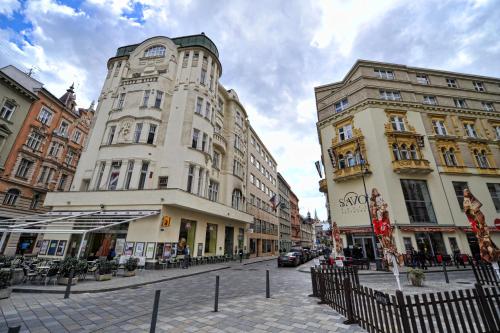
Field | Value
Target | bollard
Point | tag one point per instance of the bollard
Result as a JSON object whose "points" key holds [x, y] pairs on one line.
{"points": [[445, 273], [14, 329], [68, 286], [268, 290], [154, 315], [216, 302]]}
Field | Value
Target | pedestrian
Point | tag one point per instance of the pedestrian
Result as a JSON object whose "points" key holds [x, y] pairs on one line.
{"points": [[187, 253], [241, 255]]}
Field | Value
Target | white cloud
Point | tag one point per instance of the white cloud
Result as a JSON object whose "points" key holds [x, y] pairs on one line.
{"points": [[8, 7]]}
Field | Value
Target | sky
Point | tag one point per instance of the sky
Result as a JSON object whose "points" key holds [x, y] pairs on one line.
{"points": [[273, 53]]}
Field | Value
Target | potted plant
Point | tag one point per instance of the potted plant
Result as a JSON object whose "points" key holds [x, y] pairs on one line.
{"points": [[104, 270], [5, 276], [416, 277], [131, 266], [68, 265]]}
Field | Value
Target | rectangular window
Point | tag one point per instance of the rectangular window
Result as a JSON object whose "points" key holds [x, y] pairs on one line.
{"points": [[196, 135], [470, 131], [111, 134], [431, 100], [199, 105], [211, 239], [128, 175], [213, 191], [121, 99], [460, 103], [418, 201], [145, 99], [43, 174], [207, 110], [497, 132], [144, 173], [151, 134], [204, 141], [487, 106], [479, 86], [99, 175], [114, 174], [24, 168], [76, 136], [252, 178], [137, 133], [203, 76], [162, 182], [7, 110], [345, 132], [63, 129], [384, 74], [452, 83], [494, 189], [159, 97], [390, 95], [237, 168], [239, 119], [196, 56], [54, 148], [34, 140], [439, 127], [185, 59], [190, 178], [422, 79], [69, 157], [341, 106], [237, 142], [216, 160], [397, 123], [459, 188], [62, 182], [45, 116]]}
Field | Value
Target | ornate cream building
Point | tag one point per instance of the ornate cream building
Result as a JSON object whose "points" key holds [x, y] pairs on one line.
{"points": [[424, 135], [167, 161]]}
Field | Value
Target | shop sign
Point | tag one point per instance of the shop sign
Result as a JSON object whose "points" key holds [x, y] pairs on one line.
{"points": [[165, 222], [352, 202]]}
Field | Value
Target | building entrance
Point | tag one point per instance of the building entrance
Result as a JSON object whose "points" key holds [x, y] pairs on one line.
{"points": [[229, 241], [363, 247]]}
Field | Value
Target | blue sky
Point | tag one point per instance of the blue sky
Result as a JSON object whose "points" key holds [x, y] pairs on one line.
{"points": [[273, 53]]}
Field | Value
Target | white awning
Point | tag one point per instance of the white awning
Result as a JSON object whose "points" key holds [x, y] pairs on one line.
{"points": [[72, 222]]}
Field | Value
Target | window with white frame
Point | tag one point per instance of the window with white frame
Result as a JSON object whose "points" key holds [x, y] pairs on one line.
{"points": [[213, 191], [345, 132], [145, 98], [158, 99], [35, 140], [239, 119], [341, 105], [155, 51], [237, 199], [23, 168], [76, 136], [384, 74], [252, 178], [128, 174], [111, 134], [114, 174], [207, 110], [390, 95], [479, 86], [100, 174], [439, 127], [497, 132], [185, 59], [216, 160], [481, 158], [460, 103], [452, 83], [422, 79], [204, 142], [8, 108], [63, 129], [70, 155], [398, 123], [195, 139], [470, 131], [252, 159], [121, 100], [199, 105], [45, 116], [449, 156], [137, 132], [237, 169], [11, 197], [431, 100], [143, 175], [487, 106], [151, 134], [237, 142], [54, 148]]}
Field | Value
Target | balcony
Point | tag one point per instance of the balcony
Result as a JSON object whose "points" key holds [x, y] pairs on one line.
{"points": [[322, 186], [350, 172], [411, 166], [220, 142]]}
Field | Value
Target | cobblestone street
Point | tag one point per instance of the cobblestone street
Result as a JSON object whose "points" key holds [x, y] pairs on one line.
{"points": [[186, 305]]}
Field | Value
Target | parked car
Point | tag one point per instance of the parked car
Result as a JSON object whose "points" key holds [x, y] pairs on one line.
{"points": [[289, 259]]}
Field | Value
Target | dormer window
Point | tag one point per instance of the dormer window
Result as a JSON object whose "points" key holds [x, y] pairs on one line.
{"points": [[155, 51]]}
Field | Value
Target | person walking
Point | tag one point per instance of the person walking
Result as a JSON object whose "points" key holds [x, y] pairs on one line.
{"points": [[241, 255], [187, 253]]}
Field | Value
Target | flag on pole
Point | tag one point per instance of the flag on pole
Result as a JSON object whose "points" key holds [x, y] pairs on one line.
{"points": [[275, 201], [318, 168]]}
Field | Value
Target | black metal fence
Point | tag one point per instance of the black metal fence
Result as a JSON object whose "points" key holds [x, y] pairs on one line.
{"points": [[467, 310], [485, 274]]}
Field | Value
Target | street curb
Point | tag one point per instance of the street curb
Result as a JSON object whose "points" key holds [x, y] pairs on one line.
{"points": [[96, 291], [256, 262], [360, 273]]}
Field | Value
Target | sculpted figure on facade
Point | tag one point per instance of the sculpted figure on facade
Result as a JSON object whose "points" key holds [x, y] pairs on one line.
{"points": [[472, 209]]}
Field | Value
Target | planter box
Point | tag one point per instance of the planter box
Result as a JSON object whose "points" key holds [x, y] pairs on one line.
{"points": [[129, 273], [64, 281], [103, 277], [5, 293]]}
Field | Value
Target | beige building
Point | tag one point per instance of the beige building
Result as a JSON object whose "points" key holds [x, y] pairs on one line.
{"points": [[167, 161], [261, 188], [424, 136]]}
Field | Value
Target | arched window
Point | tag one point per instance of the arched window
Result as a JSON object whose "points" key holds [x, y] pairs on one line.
{"points": [[395, 151], [413, 152], [452, 157], [350, 159], [155, 51], [481, 158], [341, 161], [237, 202], [11, 197], [404, 152]]}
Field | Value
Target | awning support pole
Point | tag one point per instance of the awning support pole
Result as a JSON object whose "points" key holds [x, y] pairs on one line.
{"points": [[81, 245], [2, 240]]}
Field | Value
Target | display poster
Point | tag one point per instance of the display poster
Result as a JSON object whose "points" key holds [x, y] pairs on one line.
{"points": [[200, 250], [150, 250], [139, 249], [167, 251], [129, 247], [52, 247], [119, 246], [44, 247], [61, 247]]}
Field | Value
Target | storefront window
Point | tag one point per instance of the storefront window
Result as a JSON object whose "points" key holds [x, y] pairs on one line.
{"points": [[241, 237], [418, 201], [187, 233], [453, 244], [211, 239], [407, 242]]}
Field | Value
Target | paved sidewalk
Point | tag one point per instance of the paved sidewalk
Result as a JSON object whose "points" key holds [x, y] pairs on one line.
{"points": [[143, 277]]}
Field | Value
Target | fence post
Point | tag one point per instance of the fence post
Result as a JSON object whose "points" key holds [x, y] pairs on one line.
{"points": [[322, 287], [483, 303], [313, 282], [68, 286], [154, 315], [474, 269], [348, 301], [445, 273], [216, 301], [268, 288], [402, 311]]}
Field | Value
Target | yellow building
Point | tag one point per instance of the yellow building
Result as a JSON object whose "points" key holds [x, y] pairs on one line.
{"points": [[424, 135]]}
